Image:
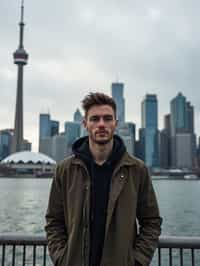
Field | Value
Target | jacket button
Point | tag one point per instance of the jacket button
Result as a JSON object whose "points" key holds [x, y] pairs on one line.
{"points": [[86, 187], [122, 176]]}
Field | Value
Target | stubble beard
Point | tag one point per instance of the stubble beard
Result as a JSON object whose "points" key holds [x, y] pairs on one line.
{"points": [[103, 141]]}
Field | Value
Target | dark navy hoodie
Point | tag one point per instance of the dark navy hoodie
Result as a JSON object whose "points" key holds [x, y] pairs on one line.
{"points": [[100, 186]]}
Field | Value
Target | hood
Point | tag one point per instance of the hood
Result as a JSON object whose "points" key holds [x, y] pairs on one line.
{"points": [[81, 149]]}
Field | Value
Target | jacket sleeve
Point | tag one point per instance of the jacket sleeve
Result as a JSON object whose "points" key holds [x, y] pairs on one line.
{"points": [[56, 228], [149, 220]]}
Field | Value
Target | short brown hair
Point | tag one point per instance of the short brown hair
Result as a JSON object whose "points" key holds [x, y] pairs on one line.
{"points": [[97, 98]]}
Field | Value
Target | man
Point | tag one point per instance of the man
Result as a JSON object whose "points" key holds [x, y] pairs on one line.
{"points": [[102, 208]]}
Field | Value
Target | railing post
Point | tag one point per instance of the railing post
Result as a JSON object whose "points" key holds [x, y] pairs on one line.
{"points": [[181, 257], [159, 256], [34, 255], [170, 256], [13, 255], [44, 255], [3, 254], [193, 261], [24, 255]]}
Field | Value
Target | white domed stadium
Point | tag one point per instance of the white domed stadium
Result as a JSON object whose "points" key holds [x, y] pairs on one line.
{"points": [[28, 156], [31, 163]]}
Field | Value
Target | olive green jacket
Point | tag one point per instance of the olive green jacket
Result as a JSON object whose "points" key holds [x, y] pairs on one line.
{"points": [[133, 222]]}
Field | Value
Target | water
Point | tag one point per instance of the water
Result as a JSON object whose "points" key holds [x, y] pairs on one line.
{"points": [[179, 206], [23, 204]]}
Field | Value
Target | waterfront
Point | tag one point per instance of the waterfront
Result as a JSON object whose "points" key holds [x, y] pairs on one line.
{"points": [[24, 202]]}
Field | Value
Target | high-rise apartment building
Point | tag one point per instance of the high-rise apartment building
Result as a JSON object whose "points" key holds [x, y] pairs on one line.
{"points": [[150, 130], [118, 95]]}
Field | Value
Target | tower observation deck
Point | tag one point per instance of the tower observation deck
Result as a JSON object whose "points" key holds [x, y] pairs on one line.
{"points": [[20, 59]]}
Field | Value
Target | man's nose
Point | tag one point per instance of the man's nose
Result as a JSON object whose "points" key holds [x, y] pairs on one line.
{"points": [[101, 122]]}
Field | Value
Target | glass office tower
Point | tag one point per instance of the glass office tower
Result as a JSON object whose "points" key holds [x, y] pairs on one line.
{"points": [[118, 95], [150, 130]]}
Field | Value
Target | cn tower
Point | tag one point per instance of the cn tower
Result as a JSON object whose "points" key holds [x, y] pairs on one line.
{"points": [[20, 59]]}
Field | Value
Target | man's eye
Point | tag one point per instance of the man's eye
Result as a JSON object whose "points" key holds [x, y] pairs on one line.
{"points": [[94, 118], [108, 118]]}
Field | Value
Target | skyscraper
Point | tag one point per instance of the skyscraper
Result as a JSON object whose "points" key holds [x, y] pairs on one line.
{"points": [[150, 129], [140, 145], [178, 114], [127, 132], [45, 126], [20, 59], [48, 127], [6, 136], [118, 95], [72, 131], [183, 139], [182, 115], [78, 116], [54, 127], [189, 117], [164, 143]]}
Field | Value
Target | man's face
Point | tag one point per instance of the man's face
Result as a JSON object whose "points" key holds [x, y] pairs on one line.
{"points": [[100, 124]]}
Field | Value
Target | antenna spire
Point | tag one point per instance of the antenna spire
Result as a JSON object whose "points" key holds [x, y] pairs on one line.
{"points": [[22, 11]]}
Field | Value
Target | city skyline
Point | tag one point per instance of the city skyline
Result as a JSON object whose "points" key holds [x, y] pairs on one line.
{"points": [[66, 64]]}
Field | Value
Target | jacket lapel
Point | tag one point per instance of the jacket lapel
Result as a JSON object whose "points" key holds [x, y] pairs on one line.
{"points": [[117, 185], [118, 182]]}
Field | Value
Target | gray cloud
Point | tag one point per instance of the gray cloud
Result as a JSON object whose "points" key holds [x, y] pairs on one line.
{"points": [[76, 46]]}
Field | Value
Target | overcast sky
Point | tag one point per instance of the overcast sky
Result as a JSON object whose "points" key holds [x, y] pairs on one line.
{"points": [[78, 46]]}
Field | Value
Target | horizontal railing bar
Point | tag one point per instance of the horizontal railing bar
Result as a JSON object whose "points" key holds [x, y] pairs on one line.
{"points": [[179, 242], [185, 242], [28, 240]]}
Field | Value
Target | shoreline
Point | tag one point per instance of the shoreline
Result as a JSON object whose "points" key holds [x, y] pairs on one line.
{"points": [[25, 177]]}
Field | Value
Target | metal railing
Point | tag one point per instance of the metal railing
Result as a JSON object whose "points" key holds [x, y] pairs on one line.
{"points": [[23, 250], [183, 251], [32, 250]]}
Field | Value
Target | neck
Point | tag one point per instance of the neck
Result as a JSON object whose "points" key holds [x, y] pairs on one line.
{"points": [[99, 152]]}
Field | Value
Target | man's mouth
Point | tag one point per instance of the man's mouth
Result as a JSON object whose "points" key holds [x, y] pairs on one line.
{"points": [[101, 132]]}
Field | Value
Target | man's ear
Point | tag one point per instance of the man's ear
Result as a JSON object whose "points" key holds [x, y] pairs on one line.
{"points": [[84, 123]]}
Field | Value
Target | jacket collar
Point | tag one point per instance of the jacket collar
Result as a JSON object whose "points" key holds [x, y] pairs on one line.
{"points": [[126, 159]]}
